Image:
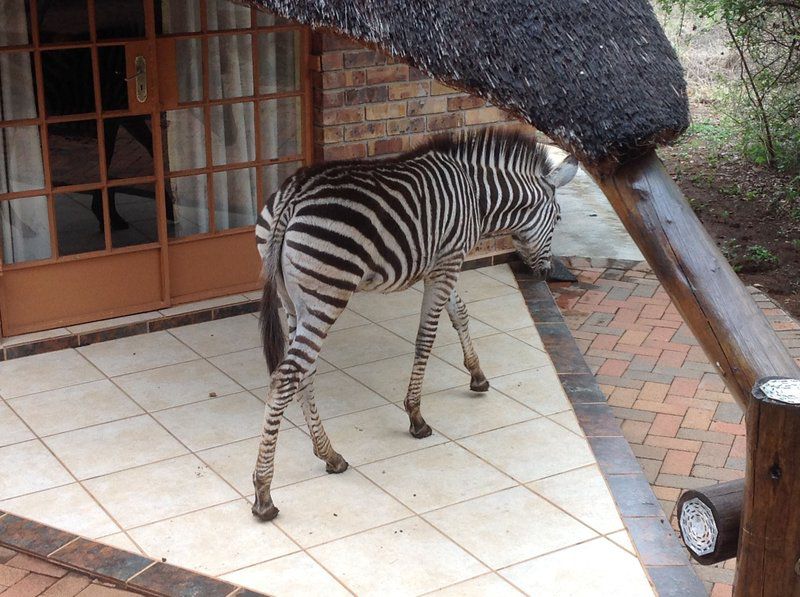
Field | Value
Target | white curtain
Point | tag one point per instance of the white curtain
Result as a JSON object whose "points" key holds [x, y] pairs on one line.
{"points": [[24, 223]]}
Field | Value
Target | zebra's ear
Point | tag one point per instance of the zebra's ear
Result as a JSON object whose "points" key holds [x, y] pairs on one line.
{"points": [[564, 172]]}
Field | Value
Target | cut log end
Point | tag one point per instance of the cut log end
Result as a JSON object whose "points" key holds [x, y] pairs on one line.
{"points": [[698, 528], [709, 521], [778, 389]]}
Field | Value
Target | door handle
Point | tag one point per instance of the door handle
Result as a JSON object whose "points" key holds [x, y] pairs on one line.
{"points": [[140, 78]]}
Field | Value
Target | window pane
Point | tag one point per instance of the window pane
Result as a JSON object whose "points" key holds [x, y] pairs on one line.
{"points": [[177, 16], [223, 14], [74, 157], [129, 147], [20, 159], [79, 222], [278, 62], [133, 215], [185, 145], [68, 83], [14, 23], [120, 19], [63, 21], [189, 196], [189, 57], [113, 86], [232, 134], [230, 66], [280, 128], [17, 86], [272, 177], [268, 19], [235, 198], [24, 229]]}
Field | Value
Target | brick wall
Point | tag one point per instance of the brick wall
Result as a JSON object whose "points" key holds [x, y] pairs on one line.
{"points": [[368, 105]]}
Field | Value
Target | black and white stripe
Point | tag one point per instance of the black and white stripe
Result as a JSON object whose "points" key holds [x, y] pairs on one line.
{"points": [[344, 227]]}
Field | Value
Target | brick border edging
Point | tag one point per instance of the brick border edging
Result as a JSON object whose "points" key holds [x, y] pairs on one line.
{"points": [[166, 322], [663, 556], [109, 564]]}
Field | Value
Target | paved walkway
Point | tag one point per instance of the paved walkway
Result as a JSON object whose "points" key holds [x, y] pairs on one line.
{"points": [[682, 423], [148, 442]]}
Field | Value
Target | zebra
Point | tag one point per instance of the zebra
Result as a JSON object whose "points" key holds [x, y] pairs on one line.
{"points": [[337, 228]]}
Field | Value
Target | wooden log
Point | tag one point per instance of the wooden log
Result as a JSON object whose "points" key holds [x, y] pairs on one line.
{"points": [[712, 300], [769, 548], [709, 521]]}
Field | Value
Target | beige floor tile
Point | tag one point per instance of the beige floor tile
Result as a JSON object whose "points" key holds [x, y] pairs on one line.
{"points": [[215, 422], [539, 389], [407, 327], [68, 508], [567, 419], [584, 494], [336, 394], [333, 506], [375, 434], [362, 344], [459, 412], [499, 354], [103, 449], [137, 353], [500, 272], [175, 385], [247, 367], [121, 541], [474, 285], [42, 372], [221, 336], [622, 539], [405, 558], [294, 460], [604, 569], [219, 301], [482, 586], [34, 469], [529, 335], [33, 337], [214, 540], [161, 490], [507, 312], [348, 319], [380, 307], [12, 429], [390, 377], [295, 574], [508, 526], [531, 450], [436, 477], [74, 407]]}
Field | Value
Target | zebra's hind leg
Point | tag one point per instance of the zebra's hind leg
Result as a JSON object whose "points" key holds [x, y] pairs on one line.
{"points": [[460, 320], [438, 287], [334, 463]]}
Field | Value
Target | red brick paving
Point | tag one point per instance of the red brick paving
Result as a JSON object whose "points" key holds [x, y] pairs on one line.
{"points": [[682, 424], [24, 576]]}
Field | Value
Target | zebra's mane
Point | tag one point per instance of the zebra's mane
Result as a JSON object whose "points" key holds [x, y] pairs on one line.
{"points": [[490, 147]]}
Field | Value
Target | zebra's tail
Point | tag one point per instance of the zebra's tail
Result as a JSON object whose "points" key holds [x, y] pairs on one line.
{"points": [[272, 336]]}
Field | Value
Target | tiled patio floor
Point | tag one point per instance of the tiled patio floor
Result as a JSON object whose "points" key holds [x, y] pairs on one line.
{"points": [[681, 422], [148, 442]]}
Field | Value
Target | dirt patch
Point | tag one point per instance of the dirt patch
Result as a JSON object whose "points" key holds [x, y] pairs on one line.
{"points": [[752, 212]]}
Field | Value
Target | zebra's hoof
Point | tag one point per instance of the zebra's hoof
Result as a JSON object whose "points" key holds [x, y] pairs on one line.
{"points": [[423, 431], [264, 513], [479, 386], [337, 466]]}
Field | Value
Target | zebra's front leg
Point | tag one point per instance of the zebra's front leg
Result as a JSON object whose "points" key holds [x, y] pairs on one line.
{"points": [[437, 293], [460, 320], [334, 463]]}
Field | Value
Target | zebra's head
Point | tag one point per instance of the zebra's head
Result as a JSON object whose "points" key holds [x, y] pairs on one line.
{"points": [[533, 242]]}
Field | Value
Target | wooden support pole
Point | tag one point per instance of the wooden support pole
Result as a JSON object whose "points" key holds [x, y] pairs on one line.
{"points": [[768, 564], [709, 520], [709, 295]]}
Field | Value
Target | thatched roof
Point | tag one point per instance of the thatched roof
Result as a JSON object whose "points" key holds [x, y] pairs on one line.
{"points": [[598, 76]]}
